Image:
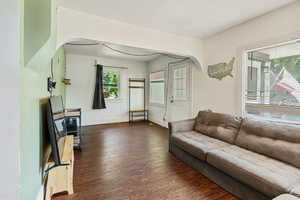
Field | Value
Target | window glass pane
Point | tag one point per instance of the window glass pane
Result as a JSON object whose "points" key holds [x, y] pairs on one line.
{"points": [[157, 76], [157, 92], [111, 92], [252, 84], [110, 78], [111, 85], [157, 87], [273, 82]]}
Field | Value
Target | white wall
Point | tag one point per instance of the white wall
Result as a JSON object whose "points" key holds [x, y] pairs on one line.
{"points": [[157, 112], [74, 24], [221, 96], [10, 98], [275, 27], [81, 71]]}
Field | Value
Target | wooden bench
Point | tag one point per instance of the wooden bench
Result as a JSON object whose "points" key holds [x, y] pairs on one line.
{"points": [[60, 179]]}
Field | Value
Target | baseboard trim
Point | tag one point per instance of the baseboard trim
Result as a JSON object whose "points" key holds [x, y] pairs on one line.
{"points": [[108, 123], [40, 195], [157, 124]]}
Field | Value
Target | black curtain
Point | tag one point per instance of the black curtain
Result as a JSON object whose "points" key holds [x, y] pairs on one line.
{"points": [[99, 102]]}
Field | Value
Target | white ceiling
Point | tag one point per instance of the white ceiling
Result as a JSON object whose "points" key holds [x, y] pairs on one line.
{"points": [[197, 18], [100, 50]]}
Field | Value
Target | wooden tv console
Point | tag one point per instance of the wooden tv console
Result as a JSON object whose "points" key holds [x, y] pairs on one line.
{"points": [[60, 179]]}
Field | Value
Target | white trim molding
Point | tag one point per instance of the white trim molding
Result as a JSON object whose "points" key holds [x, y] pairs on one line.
{"points": [[40, 195]]}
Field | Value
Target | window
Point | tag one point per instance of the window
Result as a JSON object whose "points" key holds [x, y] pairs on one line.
{"points": [[111, 82], [273, 82], [157, 87]]}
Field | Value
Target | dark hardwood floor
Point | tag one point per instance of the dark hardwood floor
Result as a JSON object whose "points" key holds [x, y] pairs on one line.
{"points": [[132, 162]]}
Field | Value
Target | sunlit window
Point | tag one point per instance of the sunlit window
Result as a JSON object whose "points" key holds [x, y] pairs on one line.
{"points": [[111, 82], [273, 82], [157, 87]]}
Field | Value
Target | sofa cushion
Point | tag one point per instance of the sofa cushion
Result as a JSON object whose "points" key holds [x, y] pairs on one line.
{"points": [[286, 197], [264, 174], [296, 191], [196, 144], [276, 140], [220, 126]]}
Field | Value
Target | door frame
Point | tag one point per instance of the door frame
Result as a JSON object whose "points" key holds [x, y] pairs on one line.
{"points": [[169, 86]]}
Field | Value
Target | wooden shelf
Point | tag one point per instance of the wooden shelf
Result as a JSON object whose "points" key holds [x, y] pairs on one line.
{"points": [[133, 112], [138, 111], [136, 87], [73, 112], [132, 80], [58, 115]]}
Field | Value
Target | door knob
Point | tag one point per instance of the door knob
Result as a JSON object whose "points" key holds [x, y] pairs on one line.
{"points": [[172, 99]]}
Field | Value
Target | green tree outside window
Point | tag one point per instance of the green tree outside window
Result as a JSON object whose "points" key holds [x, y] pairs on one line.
{"points": [[111, 85]]}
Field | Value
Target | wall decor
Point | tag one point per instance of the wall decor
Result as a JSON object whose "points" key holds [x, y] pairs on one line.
{"points": [[221, 70], [66, 81]]}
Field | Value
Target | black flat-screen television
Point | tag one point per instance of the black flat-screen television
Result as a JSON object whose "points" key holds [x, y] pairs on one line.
{"points": [[56, 128]]}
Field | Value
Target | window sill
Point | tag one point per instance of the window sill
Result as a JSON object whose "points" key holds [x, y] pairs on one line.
{"points": [[273, 119], [117, 100], [157, 105], [258, 105]]}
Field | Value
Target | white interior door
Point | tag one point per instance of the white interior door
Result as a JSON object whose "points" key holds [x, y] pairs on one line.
{"points": [[179, 92]]}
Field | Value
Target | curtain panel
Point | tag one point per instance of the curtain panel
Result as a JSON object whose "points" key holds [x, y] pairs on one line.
{"points": [[99, 101]]}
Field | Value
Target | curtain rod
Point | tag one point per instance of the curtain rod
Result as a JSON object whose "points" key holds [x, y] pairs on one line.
{"points": [[96, 63]]}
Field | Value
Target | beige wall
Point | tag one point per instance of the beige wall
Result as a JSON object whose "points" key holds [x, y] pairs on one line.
{"points": [[275, 27]]}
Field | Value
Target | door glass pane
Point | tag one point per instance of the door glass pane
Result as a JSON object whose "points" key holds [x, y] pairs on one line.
{"points": [[179, 84]]}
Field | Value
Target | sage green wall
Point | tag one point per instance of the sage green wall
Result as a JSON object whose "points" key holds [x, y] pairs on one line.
{"points": [[59, 62], [37, 31], [34, 73]]}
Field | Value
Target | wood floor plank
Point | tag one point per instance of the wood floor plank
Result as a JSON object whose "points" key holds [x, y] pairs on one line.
{"points": [[131, 162]]}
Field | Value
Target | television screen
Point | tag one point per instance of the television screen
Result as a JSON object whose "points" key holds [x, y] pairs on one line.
{"points": [[57, 129]]}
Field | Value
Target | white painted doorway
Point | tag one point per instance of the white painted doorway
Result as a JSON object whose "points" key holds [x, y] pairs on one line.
{"points": [[179, 104]]}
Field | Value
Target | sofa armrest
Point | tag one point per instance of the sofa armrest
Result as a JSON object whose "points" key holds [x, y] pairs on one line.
{"points": [[295, 191], [286, 197], [181, 126]]}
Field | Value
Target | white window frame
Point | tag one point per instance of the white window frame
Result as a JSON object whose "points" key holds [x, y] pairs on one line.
{"points": [[243, 52]]}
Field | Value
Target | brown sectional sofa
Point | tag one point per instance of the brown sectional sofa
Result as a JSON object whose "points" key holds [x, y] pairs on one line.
{"points": [[250, 158]]}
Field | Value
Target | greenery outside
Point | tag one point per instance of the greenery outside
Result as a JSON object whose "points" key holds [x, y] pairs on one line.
{"points": [[111, 85], [292, 65]]}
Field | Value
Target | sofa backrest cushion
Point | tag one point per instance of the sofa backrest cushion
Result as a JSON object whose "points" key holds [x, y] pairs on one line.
{"points": [[277, 140], [220, 126]]}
